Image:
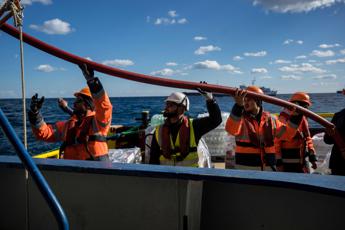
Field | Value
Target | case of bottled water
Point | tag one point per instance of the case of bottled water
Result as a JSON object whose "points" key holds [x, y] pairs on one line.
{"points": [[219, 142]]}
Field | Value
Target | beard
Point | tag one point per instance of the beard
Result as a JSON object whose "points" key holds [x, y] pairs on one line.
{"points": [[169, 115], [79, 112]]}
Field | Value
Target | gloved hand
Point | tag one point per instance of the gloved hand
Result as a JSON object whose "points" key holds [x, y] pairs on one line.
{"points": [[207, 95], [62, 103], [36, 104], [312, 159], [87, 72], [239, 97]]}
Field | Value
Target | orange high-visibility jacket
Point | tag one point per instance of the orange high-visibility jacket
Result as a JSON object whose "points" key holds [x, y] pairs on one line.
{"points": [[255, 142], [293, 150], [93, 130]]}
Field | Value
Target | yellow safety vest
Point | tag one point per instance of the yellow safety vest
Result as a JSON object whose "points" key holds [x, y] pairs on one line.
{"points": [[190, 160]]}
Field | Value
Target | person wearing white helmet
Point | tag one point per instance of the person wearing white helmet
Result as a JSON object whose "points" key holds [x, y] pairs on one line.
{"points": [[175, 142]]}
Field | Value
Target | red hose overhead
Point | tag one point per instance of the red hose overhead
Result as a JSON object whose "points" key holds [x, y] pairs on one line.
{"points": [[5, 18], [163, 81]]}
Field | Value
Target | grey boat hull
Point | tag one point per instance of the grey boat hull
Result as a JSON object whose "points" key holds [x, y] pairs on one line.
{"points": [[98, 195]]}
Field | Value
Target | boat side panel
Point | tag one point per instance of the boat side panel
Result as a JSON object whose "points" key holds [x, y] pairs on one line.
{"points": [[234, 206], [12, 198], [96, 201]]}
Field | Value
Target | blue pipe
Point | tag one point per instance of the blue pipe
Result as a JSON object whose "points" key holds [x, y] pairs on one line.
{"points": [[30, 165]]}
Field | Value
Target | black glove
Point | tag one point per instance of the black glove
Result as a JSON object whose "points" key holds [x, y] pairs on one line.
{"points": [[87, 72], [36, 104], [207, 95]]}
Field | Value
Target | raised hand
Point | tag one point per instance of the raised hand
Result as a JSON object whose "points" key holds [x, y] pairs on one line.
{"points": [[36, 103], [239, 96], [207, 95], [87, 72]]}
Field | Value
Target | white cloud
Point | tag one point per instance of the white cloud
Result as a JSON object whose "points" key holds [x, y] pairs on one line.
{"points": [[214, 65], [291, 77], [164, 21], [257, 54], [237, 58], [281, 61], [54, 26], [199, 38], [163, 72], [45, 68], [289, 41], [326, 77], [88, 58], [171, 64], [303, 68], [30, 2], [342, 51], [172, 13], [266, 77], [118, 62], [336, 61], [259, 70], [205, 49], [294, 6], [301, 57], [320, 53], [182, 21], [173, 19], [327, 46]]}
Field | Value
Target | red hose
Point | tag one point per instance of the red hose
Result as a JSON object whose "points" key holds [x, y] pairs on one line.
{"points": [[5, 18], [165, 82]]}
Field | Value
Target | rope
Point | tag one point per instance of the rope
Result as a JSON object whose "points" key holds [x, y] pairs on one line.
{"points": [[168, 82]]}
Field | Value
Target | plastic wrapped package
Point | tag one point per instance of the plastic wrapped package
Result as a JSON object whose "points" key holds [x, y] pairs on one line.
{"points": [[203, 155], [156, 120], [219, 142], [129, 155], [149, 131], [323, 153]]}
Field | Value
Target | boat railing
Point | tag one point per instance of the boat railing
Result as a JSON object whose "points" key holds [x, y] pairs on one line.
{"points": [[30, 165]]}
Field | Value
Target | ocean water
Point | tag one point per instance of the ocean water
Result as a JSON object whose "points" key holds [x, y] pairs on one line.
{"points": [[126, 110]]}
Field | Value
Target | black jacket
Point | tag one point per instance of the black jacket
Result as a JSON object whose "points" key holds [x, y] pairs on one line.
{"points": [[201, 126], [337, 162]]}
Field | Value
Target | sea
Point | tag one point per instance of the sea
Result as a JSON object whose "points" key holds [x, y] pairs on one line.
{"points": [[127, 110]]}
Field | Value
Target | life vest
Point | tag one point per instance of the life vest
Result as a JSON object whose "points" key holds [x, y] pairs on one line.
{"points": [[255, 142], [293, 150], [84, 140], [181, 153], [84, 135]]}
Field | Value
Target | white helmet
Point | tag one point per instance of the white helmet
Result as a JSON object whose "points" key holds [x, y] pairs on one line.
{"points": [[179, 98]]}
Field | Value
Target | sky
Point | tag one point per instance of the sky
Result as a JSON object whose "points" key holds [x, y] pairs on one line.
{"points": [[287, 45]]}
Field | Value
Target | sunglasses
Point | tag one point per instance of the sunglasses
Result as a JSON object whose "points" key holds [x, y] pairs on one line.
{"points": [[79, 100], [302, 104]]}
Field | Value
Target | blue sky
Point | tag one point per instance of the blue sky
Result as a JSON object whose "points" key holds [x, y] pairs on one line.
{"points": [[288, 45]]}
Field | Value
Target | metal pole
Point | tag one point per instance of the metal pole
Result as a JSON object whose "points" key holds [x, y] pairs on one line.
{"points": [[39, 179]]}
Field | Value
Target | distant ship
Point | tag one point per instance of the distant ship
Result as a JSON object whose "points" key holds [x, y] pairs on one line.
{"points": [[266, 90], [341, 91]]}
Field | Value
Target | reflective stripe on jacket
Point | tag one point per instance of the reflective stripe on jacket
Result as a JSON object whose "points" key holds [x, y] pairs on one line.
{"points": [[98, 123], [190, 160], [254, 141]]}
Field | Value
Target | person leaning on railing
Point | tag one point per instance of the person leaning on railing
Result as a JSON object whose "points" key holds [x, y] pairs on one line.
{"points": [[84, 134]]}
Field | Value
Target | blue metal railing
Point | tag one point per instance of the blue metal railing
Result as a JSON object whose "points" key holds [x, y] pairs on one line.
{"points": [[30, 165]]}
